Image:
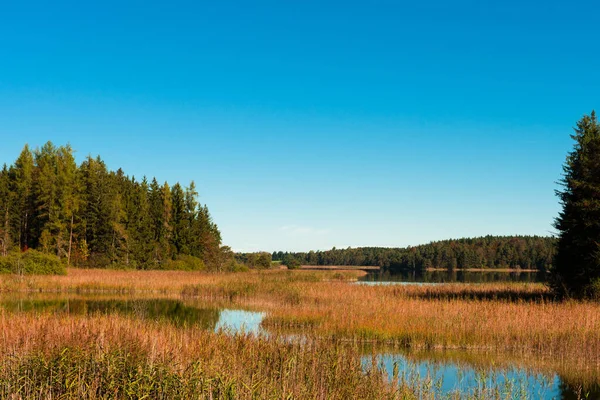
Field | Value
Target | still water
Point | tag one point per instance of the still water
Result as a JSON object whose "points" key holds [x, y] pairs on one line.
{"points": [[173, 311], [481, 376], [437, 277], [469, 373]]}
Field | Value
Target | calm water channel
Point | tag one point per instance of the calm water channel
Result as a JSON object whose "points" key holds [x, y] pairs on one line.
{"points": [[467, 372]]}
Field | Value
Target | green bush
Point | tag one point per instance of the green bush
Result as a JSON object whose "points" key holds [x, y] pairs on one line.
{"points": [[32, 262], [234, 266], [292, 263], [592, 290], [184, 263]]}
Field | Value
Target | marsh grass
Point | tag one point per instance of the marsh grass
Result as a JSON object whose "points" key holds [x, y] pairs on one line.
{"points": [[49, 356], [502, 318], [517, 317]]}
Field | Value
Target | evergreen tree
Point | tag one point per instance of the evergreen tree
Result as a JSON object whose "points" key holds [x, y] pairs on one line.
{"points": [[576, 269], [21, 187], [4, 211], [179, 222], [167, 228], [47, 218], [68, 199], [142, 232]]}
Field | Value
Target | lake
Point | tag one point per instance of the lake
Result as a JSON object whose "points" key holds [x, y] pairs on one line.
{"points": [[457, 276]]}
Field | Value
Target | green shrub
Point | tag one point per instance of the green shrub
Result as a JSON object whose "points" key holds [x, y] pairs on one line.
{"points": [[6, 264], [291, 263], [593, 289], [184, 263], [234, 266], [32, 262]]}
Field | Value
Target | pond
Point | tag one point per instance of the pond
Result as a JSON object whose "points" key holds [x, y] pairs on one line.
{"points": [[456, 276]]}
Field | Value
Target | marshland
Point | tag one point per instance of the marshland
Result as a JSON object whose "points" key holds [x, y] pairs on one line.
{"points": [[300, 334]]}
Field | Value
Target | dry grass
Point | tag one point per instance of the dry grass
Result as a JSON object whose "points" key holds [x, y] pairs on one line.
{"points": [[48, 356], [487, 316], [518, 319], [498, 316], [118, 281]]}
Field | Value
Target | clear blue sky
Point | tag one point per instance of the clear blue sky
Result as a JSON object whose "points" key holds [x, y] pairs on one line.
{"points": [[312, 124]]}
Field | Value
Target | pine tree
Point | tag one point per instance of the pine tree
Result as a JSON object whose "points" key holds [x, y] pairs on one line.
{"points": [[576, 267]]}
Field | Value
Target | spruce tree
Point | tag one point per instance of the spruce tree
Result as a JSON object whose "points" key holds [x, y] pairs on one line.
{"points": [[4, 211], [21, 187], [576, 267]]}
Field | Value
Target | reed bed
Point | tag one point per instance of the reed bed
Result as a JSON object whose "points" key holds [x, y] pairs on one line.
{"points": [[156, 282], [442, 318], [515, 318], [50, 356]]}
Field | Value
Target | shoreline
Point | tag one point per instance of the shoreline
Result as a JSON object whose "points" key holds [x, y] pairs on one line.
{"points": [[483, 270], [339, 268], [376, 268]]}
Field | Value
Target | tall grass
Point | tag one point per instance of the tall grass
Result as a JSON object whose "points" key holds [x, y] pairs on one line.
{"points": [[49, 356], [500, 316], [515, 318], [443, 318]]}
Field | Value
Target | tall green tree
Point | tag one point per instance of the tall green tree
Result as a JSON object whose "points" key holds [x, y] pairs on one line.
{"points": [[143, 233], [21, 187], [5, 203], [68, 197], [96, 211], [576, 267], [47, 209]]}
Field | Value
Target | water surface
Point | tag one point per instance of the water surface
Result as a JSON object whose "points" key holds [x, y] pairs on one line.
{"points": [[169, 310], [457, 276], [482, 376]]}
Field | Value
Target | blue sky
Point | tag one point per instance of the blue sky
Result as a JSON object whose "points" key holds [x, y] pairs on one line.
{"points": [[313, 124]]}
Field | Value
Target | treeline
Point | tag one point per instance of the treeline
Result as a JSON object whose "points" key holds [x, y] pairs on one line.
{"points": [[89, 216], [514, 252]]}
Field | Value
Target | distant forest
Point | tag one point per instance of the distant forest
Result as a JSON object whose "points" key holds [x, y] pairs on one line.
{"points": [[89, 216], [514, 252]]}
